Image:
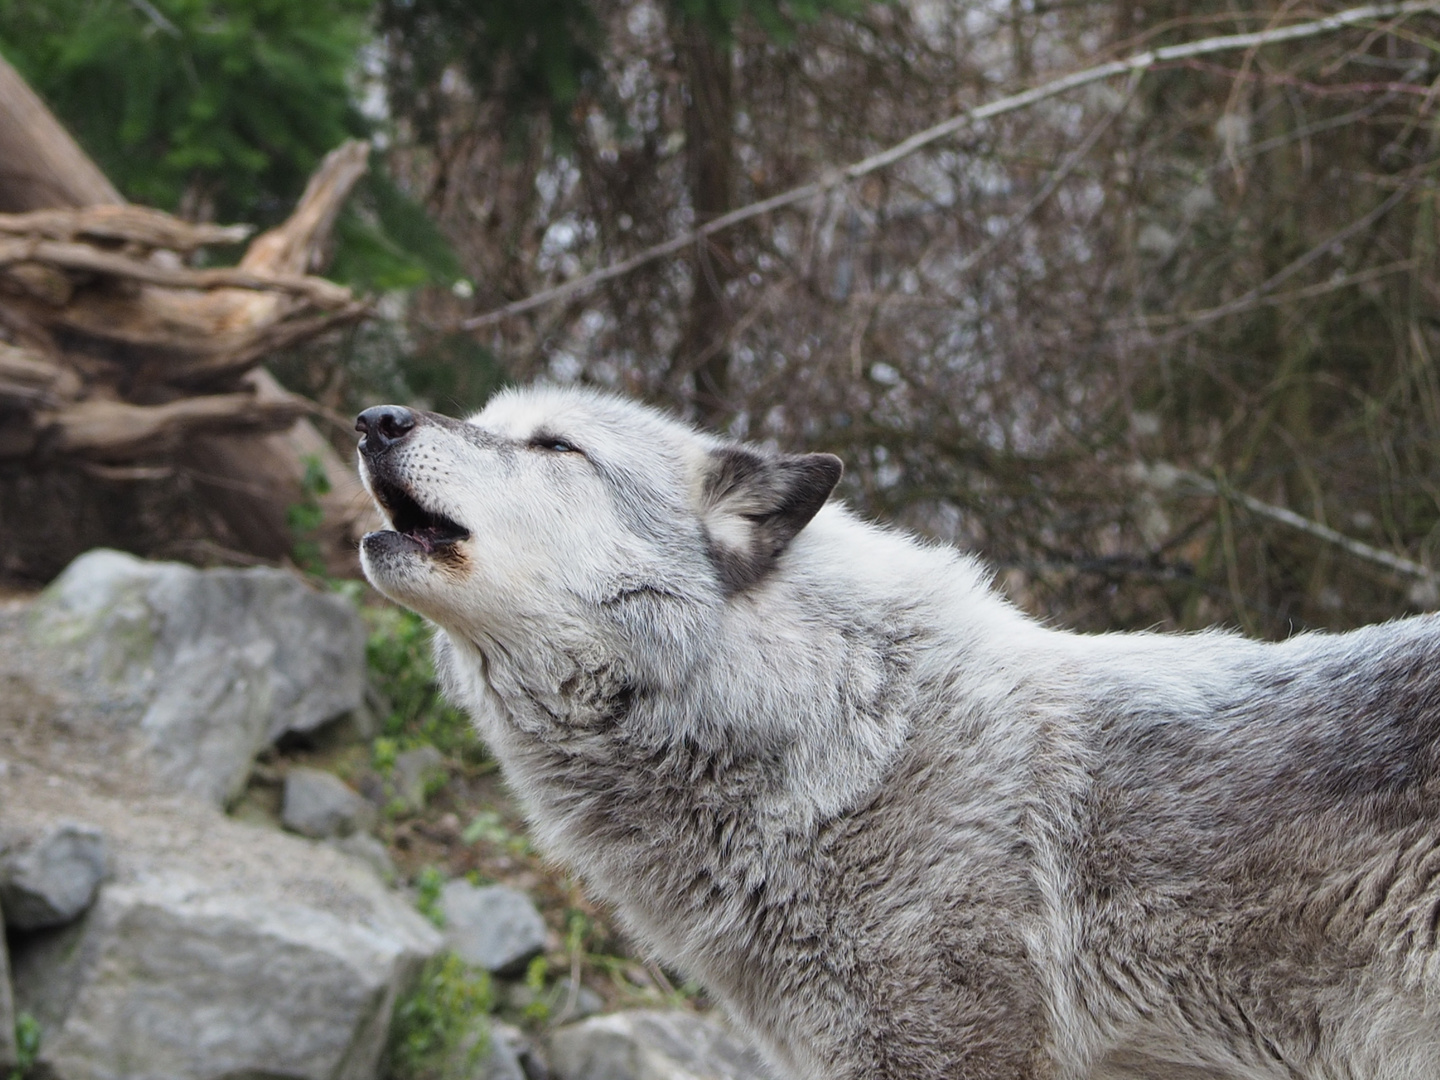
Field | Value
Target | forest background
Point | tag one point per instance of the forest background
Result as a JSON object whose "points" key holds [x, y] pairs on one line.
{"points": [[1160, 349]]}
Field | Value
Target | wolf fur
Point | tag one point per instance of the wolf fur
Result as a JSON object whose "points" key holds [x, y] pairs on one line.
{"points": [[899, 828]]}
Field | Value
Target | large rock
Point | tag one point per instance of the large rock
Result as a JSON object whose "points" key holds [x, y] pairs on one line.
{"points": [[54, 880], [320, 804], [217, 949], [495, 927], [183, 673], [647, 1044]]}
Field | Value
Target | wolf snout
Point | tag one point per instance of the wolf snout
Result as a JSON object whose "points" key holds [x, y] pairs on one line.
{"points": [[383, 426]]}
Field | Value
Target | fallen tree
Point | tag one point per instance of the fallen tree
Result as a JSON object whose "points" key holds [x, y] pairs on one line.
{"points": [[133, 407]]}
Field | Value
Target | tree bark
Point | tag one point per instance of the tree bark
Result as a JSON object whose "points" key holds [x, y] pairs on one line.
{"points": [[704, 349]]}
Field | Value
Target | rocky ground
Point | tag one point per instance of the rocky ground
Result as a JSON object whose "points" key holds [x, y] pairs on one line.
{"points": [[240, 836]]}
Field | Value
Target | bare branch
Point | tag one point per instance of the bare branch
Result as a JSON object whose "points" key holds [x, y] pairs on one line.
{"points": [[1168, 477], [319, 291], [1139, 63], [122, 224]]}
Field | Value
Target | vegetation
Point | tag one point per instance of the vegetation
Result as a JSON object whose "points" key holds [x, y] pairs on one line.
{"points": [[398, 652], [439, 1031], [27, 1045], [220, 108]]}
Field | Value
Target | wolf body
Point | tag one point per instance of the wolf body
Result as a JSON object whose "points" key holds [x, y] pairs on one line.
{"points": [[899, 828]]}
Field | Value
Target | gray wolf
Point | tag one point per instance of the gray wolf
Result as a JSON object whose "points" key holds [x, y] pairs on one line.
{"points": [[899, 828]]}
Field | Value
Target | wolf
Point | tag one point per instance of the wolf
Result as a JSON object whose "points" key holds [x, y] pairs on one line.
{"points": [[897, 827]]}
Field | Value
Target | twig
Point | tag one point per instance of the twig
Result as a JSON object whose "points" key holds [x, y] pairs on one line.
{"points": [[1168, 477], [1196, 319], [1057, 178], [1309, 292], [1139, 63]]}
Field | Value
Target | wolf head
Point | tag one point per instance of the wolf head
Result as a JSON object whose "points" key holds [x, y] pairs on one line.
{"points": [[583, 527]]}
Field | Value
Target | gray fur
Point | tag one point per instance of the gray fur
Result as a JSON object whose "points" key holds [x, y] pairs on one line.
{"points": [[900, 829]]}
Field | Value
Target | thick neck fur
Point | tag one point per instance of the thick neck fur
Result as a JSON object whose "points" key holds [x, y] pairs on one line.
{"points": [[692, 804]]}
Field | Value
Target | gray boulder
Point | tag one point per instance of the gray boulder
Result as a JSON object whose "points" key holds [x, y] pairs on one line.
{"points": [[504, 1057], [186, 673], [54, 880], [319, 804], [492, 927], [647, 1044], [370, 851], [216, 950]]}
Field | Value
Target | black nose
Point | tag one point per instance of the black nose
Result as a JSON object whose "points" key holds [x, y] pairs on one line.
{"points": [[383, 425]]}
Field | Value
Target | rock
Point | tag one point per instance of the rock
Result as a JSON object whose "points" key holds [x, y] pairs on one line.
{"points": [[319, 804], [54, 881], [217, 949], [370, 851], [185, 673], [8, 1056], [503, 1059], [574, 1002], [413, 771], [652, 1045], [494, 927], [564, 1002]]}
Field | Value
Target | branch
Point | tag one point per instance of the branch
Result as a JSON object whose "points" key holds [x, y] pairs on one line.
{"points": [[1134, 65], [119, 431], [294, 246], [122, 224], [25, 376], [1259, 295], [319, 291], [1168, 477]]}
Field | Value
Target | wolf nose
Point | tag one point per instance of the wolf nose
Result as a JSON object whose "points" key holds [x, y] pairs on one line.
{"points": [[383, 425]]}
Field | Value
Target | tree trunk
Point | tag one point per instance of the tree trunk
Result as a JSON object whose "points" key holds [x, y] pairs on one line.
{"points": [[704, 349]]}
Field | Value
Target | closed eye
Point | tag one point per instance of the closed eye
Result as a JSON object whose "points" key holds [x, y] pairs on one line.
{"points": [[554, 444]]}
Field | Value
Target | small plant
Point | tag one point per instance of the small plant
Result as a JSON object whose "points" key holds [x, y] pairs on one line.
{"points": [[438, 1031], [27, 1045], [383, 753], [306, 516], [428, 885], [491, 828], [398, 653], [538, 1010]]}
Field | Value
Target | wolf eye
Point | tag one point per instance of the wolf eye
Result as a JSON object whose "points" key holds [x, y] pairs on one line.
{"points": [[553, 444]]}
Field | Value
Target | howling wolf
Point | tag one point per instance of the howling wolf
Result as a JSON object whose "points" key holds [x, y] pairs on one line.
{"points": [[900, 829]]}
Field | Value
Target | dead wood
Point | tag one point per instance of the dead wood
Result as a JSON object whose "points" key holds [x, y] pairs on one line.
{"points": [[123, 362], [41, 166], [127, 225]]}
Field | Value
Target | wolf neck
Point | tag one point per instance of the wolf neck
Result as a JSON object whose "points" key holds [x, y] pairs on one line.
{"points": [[798, 703]]}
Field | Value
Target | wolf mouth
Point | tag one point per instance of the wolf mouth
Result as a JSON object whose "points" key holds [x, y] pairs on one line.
{"points": [[427, 530]]}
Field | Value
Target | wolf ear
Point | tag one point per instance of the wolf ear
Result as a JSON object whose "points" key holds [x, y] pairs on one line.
{"points": [[755, 504]]}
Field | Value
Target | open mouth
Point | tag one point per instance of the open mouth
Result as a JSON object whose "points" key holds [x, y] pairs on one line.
{"points": [[427, 531]]}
